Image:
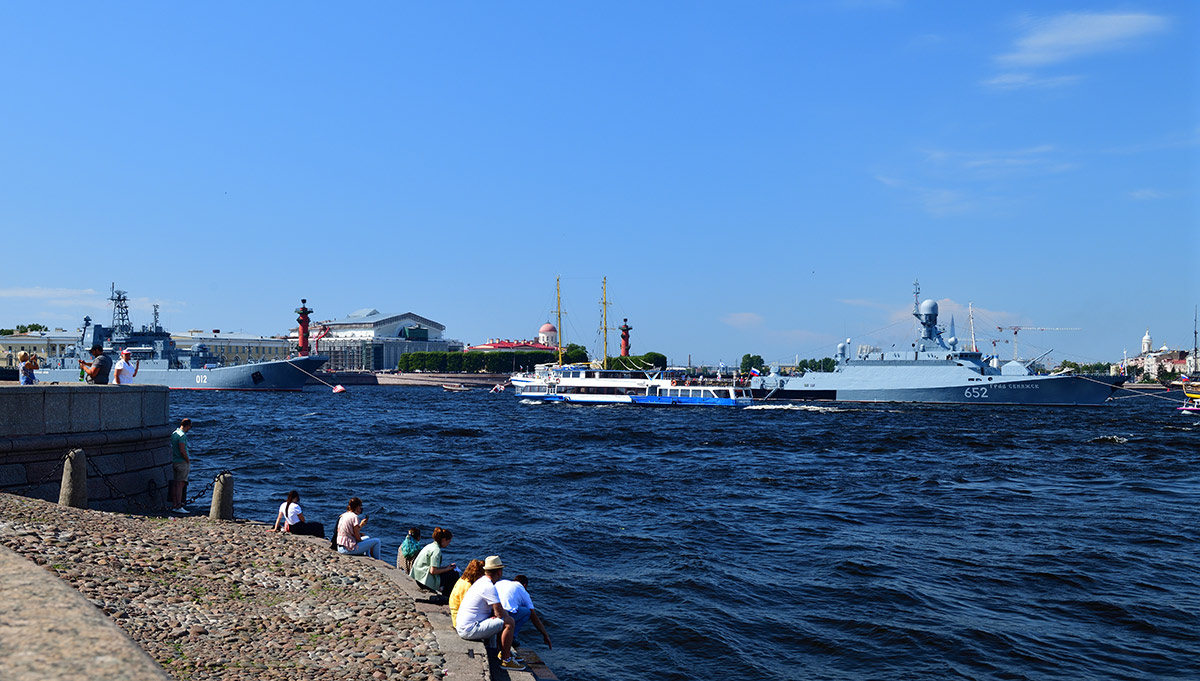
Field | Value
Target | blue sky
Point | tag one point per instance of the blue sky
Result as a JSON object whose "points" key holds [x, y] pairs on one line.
{"points": [[767, 178]]}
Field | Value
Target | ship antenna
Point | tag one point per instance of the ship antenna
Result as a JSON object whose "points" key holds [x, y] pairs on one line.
{"points": [[558, 316], [156, 317], [971, 317], [120, 303], [916, 295]]}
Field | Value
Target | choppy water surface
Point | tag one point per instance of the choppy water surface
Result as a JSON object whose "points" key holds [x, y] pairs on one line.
{"points": [[811, 542]]}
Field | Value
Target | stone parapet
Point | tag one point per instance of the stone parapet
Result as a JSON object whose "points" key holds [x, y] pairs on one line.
{"points": [[122, 430]]}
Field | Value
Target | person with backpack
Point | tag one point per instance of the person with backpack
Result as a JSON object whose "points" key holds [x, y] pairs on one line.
{"points": [[409, 548]]}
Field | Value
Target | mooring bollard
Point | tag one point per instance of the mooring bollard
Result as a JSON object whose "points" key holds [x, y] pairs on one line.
{"points": [[222, 499], [73, 490]]}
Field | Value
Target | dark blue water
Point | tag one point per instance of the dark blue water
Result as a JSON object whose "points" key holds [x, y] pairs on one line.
{"points": [[889, 542]]}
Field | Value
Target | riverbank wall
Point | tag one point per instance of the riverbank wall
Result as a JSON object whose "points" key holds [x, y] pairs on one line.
{"points": [[122, 430]]}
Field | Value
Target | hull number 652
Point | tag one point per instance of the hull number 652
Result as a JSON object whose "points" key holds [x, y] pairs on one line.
{"points": [[978, 392]]}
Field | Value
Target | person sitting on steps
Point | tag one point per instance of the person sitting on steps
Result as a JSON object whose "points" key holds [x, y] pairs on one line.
{"points": [[350, 539]]}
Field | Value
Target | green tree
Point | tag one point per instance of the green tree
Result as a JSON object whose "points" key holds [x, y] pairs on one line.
{"points": [[573, 353], [752, 362]]}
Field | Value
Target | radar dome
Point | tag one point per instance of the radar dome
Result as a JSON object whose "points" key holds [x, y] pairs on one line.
{"points": [[928, 307]]}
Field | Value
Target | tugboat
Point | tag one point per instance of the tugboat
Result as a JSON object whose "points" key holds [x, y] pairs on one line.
{"points": [[162, 363], [935, 370]]}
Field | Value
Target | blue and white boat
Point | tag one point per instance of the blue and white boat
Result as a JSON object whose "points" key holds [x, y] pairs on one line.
{"points": [[585, 384]]}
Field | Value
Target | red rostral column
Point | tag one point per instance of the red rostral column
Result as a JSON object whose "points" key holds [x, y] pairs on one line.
{"points": [[625, 329], [303, 311]]}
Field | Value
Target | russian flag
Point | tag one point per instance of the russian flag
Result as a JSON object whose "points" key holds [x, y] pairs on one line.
{"points": [[754, 372], [1185, 378]]}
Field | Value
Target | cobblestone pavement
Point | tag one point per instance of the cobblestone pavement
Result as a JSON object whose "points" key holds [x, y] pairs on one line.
{"points": [[221, 600]]}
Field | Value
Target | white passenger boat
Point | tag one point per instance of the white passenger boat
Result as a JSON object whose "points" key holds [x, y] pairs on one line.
{"points": [[584, 384]]}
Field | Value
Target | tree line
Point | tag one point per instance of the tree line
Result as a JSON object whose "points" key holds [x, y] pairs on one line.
{"points": [[24, 328], [486, 362]]}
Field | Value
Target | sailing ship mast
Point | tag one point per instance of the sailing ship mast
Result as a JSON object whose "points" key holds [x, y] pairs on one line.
{"points": [[558, 317], [604, 319]]}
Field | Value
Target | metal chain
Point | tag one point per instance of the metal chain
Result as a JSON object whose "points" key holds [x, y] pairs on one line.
{"points": [[57, 470], [207, 487], [118, 494]]}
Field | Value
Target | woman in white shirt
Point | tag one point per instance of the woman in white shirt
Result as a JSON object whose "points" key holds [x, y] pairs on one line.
{"points": [[292, 517]]}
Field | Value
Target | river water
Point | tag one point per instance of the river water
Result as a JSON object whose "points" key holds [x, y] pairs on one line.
{"points": [[786, 542]]}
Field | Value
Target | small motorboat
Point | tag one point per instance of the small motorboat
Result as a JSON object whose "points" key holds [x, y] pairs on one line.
{"points": [[498, 388], [1191, 394], [455, 387]]}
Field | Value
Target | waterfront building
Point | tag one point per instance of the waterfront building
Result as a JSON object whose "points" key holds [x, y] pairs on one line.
{"points": [[1150, 361], [45, 343], [235, 348], [547, 341], [369, 340]]}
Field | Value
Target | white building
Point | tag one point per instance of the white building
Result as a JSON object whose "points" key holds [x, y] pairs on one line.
{"points": [[369, 340], [44, 343], [235, 348]]}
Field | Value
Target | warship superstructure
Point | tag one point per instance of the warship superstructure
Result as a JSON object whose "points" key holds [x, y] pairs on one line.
{"points": [[163, 363], [935, 369]]}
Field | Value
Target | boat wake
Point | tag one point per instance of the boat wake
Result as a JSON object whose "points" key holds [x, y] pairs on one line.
{"points": [[1115, 439], [528, 401], [797, 407]]}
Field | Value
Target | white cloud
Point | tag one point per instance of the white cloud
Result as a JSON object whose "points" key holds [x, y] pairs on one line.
{"points": [[938, 202], [1072, 35], [1017, 81], [1146, 195], [743, 320], [1036, 160]]}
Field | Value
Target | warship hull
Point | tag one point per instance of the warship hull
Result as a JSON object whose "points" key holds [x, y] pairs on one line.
{"points": [[1031, 390], [935, 369], [282, 375]]}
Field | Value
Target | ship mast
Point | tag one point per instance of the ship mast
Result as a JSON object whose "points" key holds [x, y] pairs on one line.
{"points": [[604, 319], [558, 317], [971, 318], [120, 318]]}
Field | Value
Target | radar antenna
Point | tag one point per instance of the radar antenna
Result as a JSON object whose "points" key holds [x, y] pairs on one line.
{"points": [[156, 327], [120, 318]]}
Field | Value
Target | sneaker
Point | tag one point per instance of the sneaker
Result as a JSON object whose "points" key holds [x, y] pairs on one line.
{"points": [[515, 656], [510, 663]]}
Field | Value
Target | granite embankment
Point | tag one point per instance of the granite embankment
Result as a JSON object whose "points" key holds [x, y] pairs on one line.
{"points": [[229, 600]]}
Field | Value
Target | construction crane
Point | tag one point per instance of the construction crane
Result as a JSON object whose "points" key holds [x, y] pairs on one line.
{"points": [[1018, 329]]}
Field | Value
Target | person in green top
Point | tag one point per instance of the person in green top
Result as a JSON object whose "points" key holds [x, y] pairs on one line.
{"points": [[181, 463], [428, 570]]}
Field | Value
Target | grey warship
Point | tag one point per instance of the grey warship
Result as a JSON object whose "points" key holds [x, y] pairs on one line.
{"points": [[934, 370], [162, 363]]}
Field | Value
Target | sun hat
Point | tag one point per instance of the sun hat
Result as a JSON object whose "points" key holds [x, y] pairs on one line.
{"points": [[22, 356], [125, 351], [492, 563]]}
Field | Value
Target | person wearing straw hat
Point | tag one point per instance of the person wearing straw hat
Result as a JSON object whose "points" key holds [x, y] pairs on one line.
{"points": [[482, 616], [123, 371]]}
